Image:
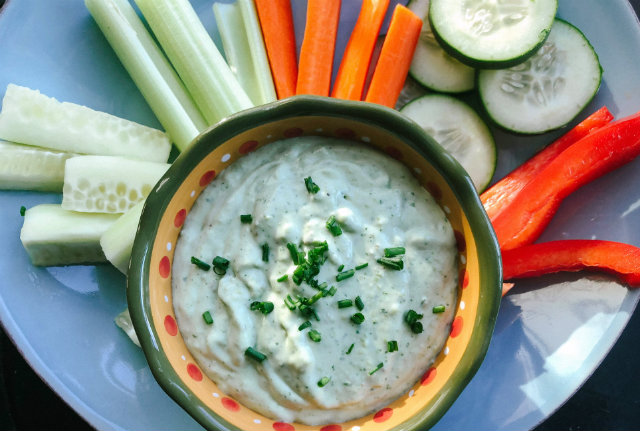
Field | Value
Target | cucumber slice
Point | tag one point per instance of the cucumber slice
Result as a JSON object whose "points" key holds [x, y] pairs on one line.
{"points": [[31, 118], [431, 65], [547, 91], [117, 241], [123, 321], [457, 127], [489, 34], [31, 168], [108, 184], [54, 236]]}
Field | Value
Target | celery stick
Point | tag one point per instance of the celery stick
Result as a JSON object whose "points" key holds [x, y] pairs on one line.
{"points": [[52, 235], [195, 57], [31, 118], [117, 241], [123, 321], [30, 168], [241, 34], [108, 184], [149, 69]]}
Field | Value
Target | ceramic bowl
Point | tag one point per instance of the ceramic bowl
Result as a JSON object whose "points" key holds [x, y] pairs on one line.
{"points": [[149, 281]]}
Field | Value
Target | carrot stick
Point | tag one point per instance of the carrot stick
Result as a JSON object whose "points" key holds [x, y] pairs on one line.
{"points": [[498, 196], [276, 20], [318, 46], [353, 69], [395, 58]]}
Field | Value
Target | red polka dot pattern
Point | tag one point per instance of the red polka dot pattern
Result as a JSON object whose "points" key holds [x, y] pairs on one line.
{"points": [[383, 415], [428, 376], [293, 132], [164, 267], [394, 152], [194, 372], [207, 177], [460, 241], [248, 147], [331, 428], [465, 279], [435, 191], [170, 325], [345, 133], [456, 327], [180, 216], [281, 426], [229, 404]]}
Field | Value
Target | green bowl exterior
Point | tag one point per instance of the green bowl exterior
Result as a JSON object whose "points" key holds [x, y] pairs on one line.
{"points": [[396, 123]]}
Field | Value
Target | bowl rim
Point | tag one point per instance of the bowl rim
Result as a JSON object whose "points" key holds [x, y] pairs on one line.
{"points": [[301, 106]]}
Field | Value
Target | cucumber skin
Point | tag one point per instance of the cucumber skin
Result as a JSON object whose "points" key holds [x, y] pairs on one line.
{"points": [[542, 131], [488, 64]]}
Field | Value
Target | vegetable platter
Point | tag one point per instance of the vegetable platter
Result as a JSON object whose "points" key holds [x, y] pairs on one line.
{"points": [[552, 331]]}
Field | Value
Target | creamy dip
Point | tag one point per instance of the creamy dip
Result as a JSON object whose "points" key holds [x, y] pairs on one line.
{"points": [[350, 371]]}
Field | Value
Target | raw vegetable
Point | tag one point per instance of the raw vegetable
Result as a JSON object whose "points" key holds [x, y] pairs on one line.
{"points": [[457, 128], [195, 57], [108, 184], [431, 65], [318, 46], [117, 240], [31, 118], [30, 168], [244, 49], [276, 20], [123, 321], [499, 195], [548, 90], [52, 235], [149, 69], [492, 35], [352, 74], [622, 260], [601, 151], [395, 58]]}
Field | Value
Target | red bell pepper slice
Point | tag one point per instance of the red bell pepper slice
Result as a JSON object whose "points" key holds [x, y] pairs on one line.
{"points": [[522, 221], [498, 196], [622, 260]]}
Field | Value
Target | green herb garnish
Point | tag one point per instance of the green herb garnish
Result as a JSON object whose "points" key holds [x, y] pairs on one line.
{"points": [[207, 317], [345, 274], [357, 318], [438, 309], [304, 326], [315, 335], [265, 307], [393, 251], [254, 354], [345, 303], [333, 226], [362, 266], [340, 268], [311, 186], [323, 381], [220, 265], [392, 346], [412, 318], [359, 303], [265, 252], [293, 251], [283, 278], [391, 262], [246, 218], [23, 210], [350, 348], [200, 264], [380, 365]]}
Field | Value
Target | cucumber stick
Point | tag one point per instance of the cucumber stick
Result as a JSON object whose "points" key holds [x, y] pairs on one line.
{"points": [[108, 184], [548, 90], [117, 241], [31, 118], [431, 65], [460, 131], [491, 34], [52, 235], [30, 168]]}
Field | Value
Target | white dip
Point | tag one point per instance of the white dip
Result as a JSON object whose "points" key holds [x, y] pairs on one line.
{"points": [[378, 204]]}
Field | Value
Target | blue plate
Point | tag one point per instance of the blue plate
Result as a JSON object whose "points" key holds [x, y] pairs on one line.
{"points": [[552, 332]]}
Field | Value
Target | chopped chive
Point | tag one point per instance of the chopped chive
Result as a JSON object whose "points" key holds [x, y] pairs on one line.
{"points": [[207, 317], [304, 326], [246, 218], [391, 262], [332, 291], [200, 264], [393, 251], [438, 309], [265, 307], [417, 328], [323, 381], [345, 274], [290, 303], [412, 316], [350, 348], [333, 226], [362, 266], [265, 252], [283, 278], [340, 268], [380, 365], [345, 303], [254, 354], [359, 303], [293, 251], [315, 298], [23, 210], [357, 318], [315, 335], [392, 346], [311, 186], [220, 265]]}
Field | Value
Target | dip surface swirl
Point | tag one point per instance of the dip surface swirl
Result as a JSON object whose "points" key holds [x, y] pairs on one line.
{"points": [[378, 204]]}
